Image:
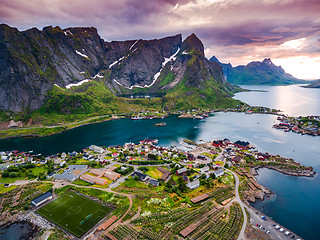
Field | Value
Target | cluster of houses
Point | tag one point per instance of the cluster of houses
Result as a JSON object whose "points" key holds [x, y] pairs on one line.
{"points": [[206, 170], [15, 156], [299, 125], [227, 143], [251, 109], [98, 176]]}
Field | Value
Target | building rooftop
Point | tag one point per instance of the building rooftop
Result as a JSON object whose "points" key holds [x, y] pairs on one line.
{"points": [[65, 176], [141, 176], [199, 198], [41, 198], [181, 170]]}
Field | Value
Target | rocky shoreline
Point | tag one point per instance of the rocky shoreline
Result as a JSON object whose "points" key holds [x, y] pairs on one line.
{"points": [[263, 192], [286, 172], [32, 232]]}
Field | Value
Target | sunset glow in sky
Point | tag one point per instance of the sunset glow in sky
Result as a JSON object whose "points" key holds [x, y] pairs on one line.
{"points": [[235, 31]]}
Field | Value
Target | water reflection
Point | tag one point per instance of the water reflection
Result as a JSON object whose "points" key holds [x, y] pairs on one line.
{"points": [[293, 100]]}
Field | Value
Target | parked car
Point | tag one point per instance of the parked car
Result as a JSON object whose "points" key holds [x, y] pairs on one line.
{"points": [[281, 229], [267, 231], [277, 227], [287, 233]]}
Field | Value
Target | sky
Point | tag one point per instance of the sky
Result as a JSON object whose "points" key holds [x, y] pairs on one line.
{"points": [[235, 31]]}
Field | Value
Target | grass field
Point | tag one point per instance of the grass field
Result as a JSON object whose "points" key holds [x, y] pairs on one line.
{"points": [[74, 213], [154, 172]]}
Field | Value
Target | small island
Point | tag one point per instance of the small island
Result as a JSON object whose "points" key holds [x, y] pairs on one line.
{"points": [[309, 125]]}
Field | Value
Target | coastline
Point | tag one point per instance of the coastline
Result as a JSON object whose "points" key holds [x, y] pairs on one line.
{"points": [[286, 172], [65, 127], [52, 127], [33, 230]]}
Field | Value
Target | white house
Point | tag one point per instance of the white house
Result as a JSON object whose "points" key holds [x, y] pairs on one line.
{"points": [[219, 172], [194, 184]]}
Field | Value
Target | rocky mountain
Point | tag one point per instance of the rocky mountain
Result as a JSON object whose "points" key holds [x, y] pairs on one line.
{"points": [[257, 73], [64, 67], [314, 84]]}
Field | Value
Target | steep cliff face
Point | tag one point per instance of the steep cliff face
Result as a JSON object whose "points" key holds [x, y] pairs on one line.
{"points": [[136, 63], [260, 73], [32, 62], [192, 80]]}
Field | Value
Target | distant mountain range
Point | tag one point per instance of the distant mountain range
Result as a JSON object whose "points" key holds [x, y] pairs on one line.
{"points": [[74, 70], [314, 84], [257, 73]]}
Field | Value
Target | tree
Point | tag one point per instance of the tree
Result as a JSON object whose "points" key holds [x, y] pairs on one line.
{"points": [[136, 178], [5, 174], [42, 176], [182, 185], [212, 175], [203, 176], [143, 169], [226, 165], [13, 174]]}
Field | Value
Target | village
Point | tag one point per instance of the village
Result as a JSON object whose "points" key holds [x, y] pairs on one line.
{"points": [[309, 125], [187, 180]]}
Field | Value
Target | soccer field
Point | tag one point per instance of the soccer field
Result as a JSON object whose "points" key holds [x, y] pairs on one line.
{"points": [[74, 213]]}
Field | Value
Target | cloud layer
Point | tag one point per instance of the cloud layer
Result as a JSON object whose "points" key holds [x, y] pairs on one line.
{"points": [[236, 31]]}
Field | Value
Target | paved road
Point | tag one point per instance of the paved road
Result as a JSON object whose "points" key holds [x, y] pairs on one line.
{"points": [[256, 218], [274, 234], [242, 205]]}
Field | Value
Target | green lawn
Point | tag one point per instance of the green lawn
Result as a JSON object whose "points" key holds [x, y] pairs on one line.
{"points": [[74, 213], [38, 169], [4, 189], [10, 180], [154, 172]]}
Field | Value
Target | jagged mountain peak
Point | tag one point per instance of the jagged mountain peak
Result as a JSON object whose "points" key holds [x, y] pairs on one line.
{"points": [[192, 42], [32, 62], [214, 59], [267, 61], [257, 72]]}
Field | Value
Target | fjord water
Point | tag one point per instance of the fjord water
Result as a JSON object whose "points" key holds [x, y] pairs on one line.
{"points": [[295, 204], [294, 100]]}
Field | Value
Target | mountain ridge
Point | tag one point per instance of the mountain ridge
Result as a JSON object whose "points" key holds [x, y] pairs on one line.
{"points": [[313, 84], [257, 73], [40, 65]]}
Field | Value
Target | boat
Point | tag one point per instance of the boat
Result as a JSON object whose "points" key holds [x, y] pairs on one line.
{"points": [[147, 140], [136, 118], [161, 124]]}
